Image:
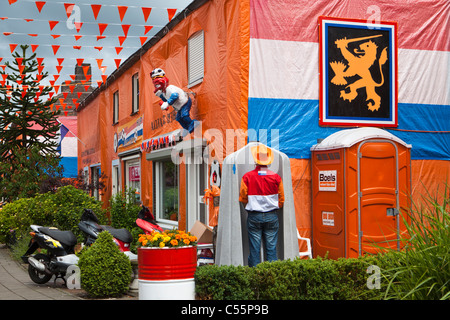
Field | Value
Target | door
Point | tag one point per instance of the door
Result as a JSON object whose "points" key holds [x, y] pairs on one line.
{"points": [[377, 195]]}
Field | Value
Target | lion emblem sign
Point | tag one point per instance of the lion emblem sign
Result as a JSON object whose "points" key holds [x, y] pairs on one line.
{"points": [[358, 63]]}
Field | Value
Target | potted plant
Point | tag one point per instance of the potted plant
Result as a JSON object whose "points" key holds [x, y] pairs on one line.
{"points": [[166, 265]]}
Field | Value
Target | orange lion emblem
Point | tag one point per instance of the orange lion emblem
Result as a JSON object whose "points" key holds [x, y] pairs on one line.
{"points": [[359, 64]]}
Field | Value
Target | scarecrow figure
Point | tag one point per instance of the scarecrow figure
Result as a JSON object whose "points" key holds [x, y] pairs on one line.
{"points": [[175, 97]]}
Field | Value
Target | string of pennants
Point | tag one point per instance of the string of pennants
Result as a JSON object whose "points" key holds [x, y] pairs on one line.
{"points": [[86, 83]]}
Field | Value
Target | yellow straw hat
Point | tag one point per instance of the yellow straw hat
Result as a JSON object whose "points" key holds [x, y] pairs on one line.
{"points": [[262, 155]]}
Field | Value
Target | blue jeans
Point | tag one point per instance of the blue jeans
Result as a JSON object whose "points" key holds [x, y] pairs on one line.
{"points": [[183, 117], [262, 226]]}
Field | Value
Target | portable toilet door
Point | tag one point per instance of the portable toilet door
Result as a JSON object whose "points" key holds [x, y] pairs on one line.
{"points": [[360, 212]]}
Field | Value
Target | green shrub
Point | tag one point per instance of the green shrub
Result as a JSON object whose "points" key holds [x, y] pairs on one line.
{"points": [[124, 209], [422, 270], [62, 209], [316, 279], [105, 271]]}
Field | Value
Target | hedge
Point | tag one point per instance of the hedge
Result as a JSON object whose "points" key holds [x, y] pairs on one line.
{"points": [[62, 209], [299, 279]]}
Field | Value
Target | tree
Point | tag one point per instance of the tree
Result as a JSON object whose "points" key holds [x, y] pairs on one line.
{"points": [[28, 128]]}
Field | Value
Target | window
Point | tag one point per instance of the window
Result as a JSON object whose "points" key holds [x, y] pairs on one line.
{"points": [[135, 92], [165, 189], [115, 177], [95, 174], [196, 57], [133, 176], [116, 107]]}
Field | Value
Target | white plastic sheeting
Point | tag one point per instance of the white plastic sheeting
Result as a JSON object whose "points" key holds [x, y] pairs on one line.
{"points": [[232, 240]]}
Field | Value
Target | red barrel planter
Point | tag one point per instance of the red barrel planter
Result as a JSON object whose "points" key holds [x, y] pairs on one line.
{"points": [[167, 273]]}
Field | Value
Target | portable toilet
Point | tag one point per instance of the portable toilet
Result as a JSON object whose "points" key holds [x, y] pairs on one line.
{"points": [[232, 239], [361, 181]]}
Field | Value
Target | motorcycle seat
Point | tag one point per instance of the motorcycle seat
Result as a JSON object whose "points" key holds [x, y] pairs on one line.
{"points": [[121, 234], [65, 237]]}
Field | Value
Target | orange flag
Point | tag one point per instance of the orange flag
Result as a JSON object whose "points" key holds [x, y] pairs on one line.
{"points": [[171, 13], [69, 8], [55, 48], [95, 9], [34, 47], [117, 61], [146, 12], [121, 39], [147, 29], [60, 60], [12, 47], [52, 24], [122, 11], [80, 62], [125, 28], [102, 27], [39, 5], [143, 39]]}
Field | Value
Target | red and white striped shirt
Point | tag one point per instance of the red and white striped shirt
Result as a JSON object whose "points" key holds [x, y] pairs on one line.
{"points": [[261, 190]]}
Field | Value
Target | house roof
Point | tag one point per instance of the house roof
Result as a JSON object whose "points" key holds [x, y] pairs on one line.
{"points": [[195, 4]]}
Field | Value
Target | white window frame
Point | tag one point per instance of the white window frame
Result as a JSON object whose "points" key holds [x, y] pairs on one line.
{"points": [[116, 107], [158, 194], [196, 58], [130, 161], [135, 93], [115, 177]]}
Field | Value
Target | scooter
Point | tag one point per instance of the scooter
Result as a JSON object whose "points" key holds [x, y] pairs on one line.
{"points": [[60, 254], [147, 222], [90, 227]]}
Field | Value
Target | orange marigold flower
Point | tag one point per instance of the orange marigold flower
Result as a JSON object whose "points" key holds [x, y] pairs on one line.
{"points": [[174, 242], [186, 241]]}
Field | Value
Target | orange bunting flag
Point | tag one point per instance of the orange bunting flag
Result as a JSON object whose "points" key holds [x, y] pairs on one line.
{"points": [[104, 77], [80, 62], [55, 36], [69, 8], [28, 20], [125, 28], [33, 34], [34, 47], [73, 76], [143, 39], [77, 47], [121, 39], [71, 87], [52, 24], [102, 27], [12, 1], [12, 47], [77, 37], [100, 37], [79, 94], [171, 13], [39, 5], [19, 61], [78, 26], [85, 70], [60, 60], [55, 76], [147, 29], [95, 9], [7, 33], [99, 62], [98, 48], [122, 11], [55, 48], [58, 68], [118, 49], [56, 89], [117, 61], [40, 60], [65, 94], [40, 69], [146, 12]]}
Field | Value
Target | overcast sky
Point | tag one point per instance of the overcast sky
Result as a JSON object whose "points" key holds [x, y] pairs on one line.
{"points": [[16, 30]]}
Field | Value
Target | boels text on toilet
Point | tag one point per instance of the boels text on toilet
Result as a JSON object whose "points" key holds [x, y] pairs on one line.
{"points": [[327, 180]]}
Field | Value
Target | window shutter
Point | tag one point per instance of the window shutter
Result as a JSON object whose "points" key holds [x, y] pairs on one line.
{"points": [[196, 57]]}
